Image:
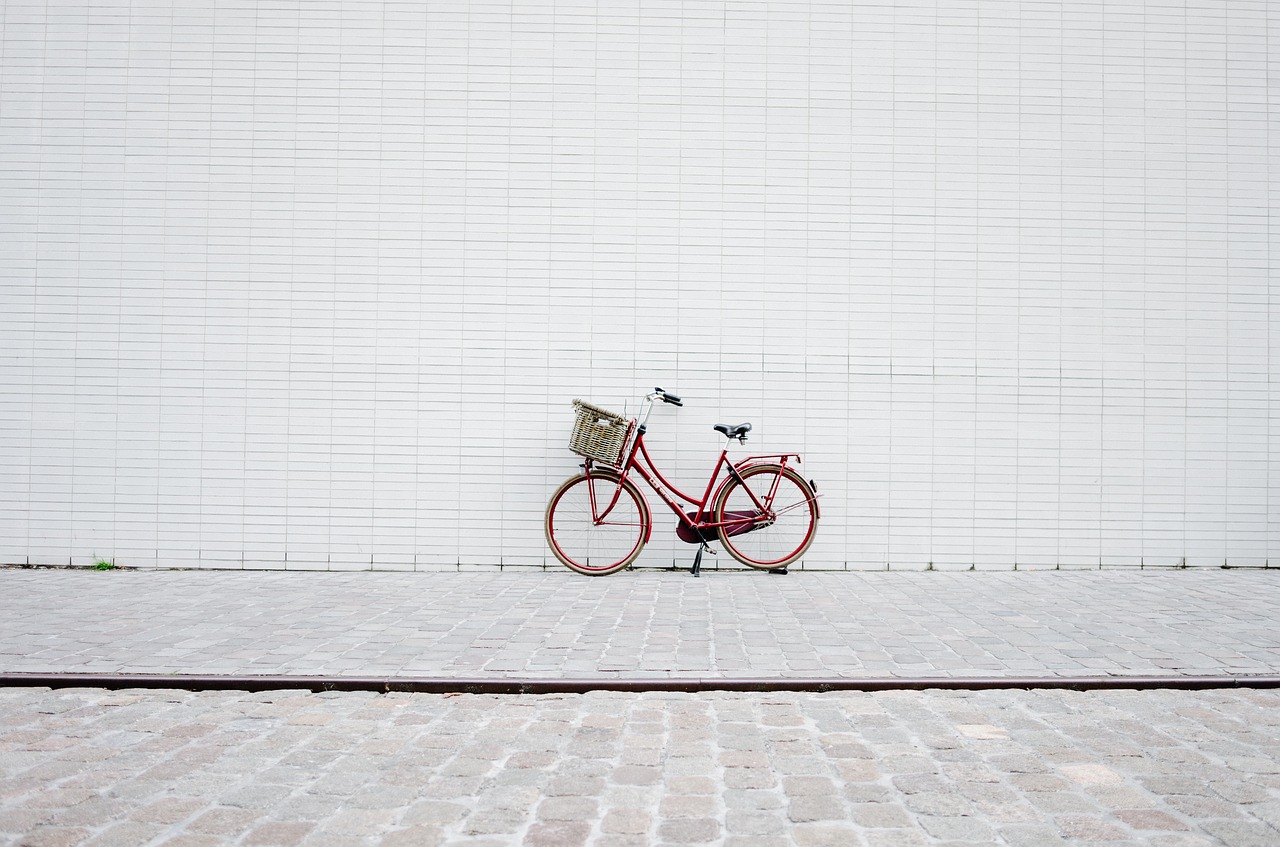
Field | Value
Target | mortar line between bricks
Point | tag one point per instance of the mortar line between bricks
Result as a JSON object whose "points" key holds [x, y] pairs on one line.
{"points": [[539, 685]]}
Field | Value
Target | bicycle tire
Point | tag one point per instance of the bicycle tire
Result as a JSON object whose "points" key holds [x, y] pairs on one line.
{"points": [[781, 541], [583, 545]]}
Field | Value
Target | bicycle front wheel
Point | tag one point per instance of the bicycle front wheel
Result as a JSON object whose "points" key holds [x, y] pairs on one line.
{"points": [[777, 535], [588, 536]]}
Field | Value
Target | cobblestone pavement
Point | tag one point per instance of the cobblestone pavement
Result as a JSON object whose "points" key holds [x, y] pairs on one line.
{"points": [[642, 624], [1025, 768]]}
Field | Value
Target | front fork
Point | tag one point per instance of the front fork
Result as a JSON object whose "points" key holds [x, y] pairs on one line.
{"points": [[598, 516]]}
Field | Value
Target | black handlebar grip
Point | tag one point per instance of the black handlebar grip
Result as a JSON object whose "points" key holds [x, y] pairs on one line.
{"points": [[668, 397]]}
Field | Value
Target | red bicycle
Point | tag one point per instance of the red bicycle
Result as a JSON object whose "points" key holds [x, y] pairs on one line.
{"points": [[762, 511]]}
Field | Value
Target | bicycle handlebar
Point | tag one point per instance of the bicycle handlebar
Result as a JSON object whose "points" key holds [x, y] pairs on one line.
{"points": [[658, 394], [668, 397]]}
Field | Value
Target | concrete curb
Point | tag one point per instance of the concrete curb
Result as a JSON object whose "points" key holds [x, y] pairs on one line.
{"points": [[534, 685]]}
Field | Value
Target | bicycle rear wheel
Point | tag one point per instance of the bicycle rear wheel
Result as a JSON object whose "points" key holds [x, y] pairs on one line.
{"points": [[778, 535], [591, 543]]}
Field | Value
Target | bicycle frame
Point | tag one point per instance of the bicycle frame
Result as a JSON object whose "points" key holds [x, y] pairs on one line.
{"points": [[639, 461]]}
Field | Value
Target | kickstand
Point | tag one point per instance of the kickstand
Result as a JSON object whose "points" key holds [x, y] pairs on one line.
{"points": [[697, 560]]}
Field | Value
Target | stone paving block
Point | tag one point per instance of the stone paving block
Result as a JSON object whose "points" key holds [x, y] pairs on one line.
{"points": [[800, 786], [748, 778], [751, 799], [812, 808], [1091, 828], [757, 841], [568, 809], [627, 821], [881, 815], [690, 830], [1151, 819], [895, 838], [190, 840], [16, 820], [826, 835], [1202, 807], [1180, 840], [415, 836], [277, 833], [54, 836], [1241, 833], [739, 822], [223, 821], [494, 820], [954, 828], [166, 810], [857, 771], [636, 775], [620, 840], [687, 806], [1032, 835]]}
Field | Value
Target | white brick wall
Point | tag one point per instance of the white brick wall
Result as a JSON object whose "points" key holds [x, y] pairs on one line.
{"points": [[311, 284]]}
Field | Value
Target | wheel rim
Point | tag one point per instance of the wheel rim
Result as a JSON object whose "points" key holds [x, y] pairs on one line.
{"points": [[586, 546], [781, 539]]}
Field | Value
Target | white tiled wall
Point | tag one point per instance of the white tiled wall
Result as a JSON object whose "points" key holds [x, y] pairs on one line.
{"points": [[311, 284]]}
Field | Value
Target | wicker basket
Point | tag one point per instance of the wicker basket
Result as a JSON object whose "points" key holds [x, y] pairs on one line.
{"points": [[597, 434]]}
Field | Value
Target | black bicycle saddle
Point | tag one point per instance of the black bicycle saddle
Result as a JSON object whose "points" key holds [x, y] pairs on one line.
{"points": [[733, 431]]}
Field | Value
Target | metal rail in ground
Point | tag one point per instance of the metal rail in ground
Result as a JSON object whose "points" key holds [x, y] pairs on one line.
{"points": [[537, 685]]}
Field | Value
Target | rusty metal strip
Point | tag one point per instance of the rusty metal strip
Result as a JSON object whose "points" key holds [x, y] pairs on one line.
{"points": [[535, 685]]}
